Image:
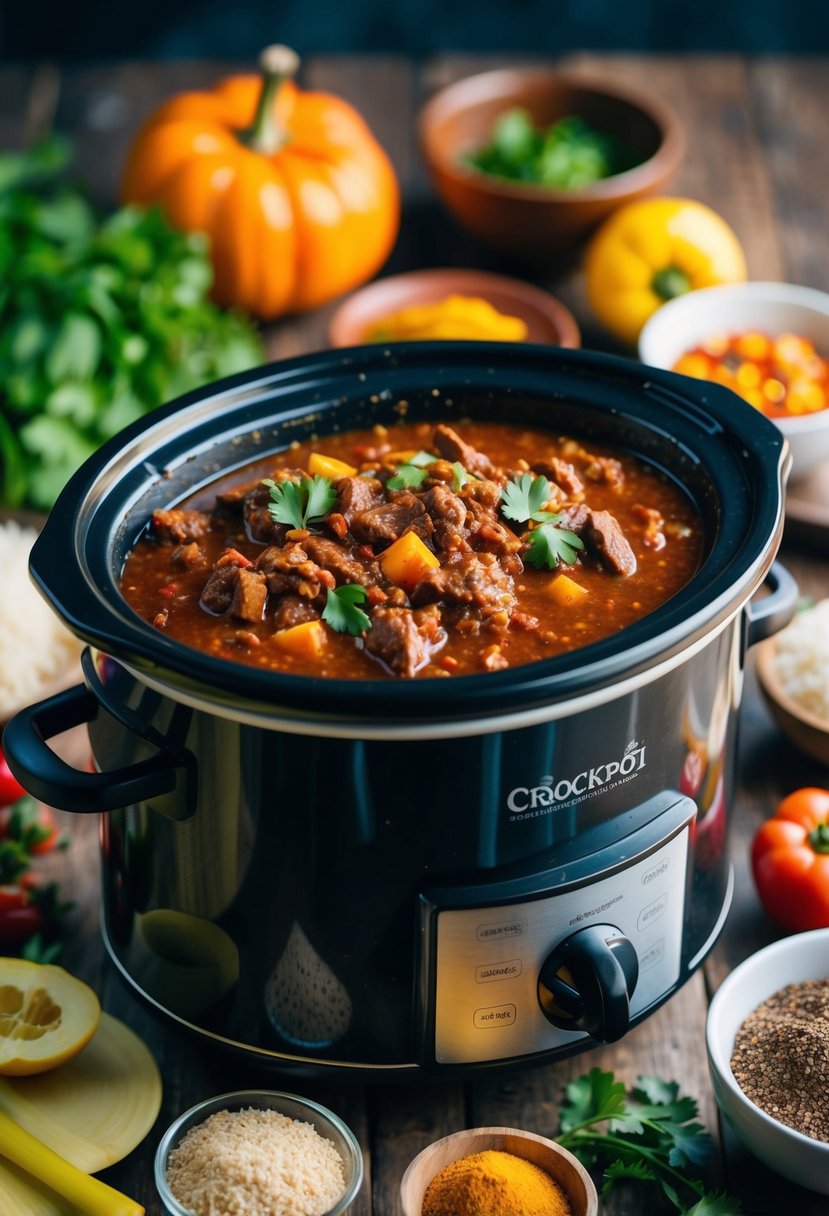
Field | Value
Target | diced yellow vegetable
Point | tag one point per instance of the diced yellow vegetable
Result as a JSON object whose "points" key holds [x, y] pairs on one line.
{"points": [[401, 457], [305, 640], [565, 592], [407, 561], [327, 466]]}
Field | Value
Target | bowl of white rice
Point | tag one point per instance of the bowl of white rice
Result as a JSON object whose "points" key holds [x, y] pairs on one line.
{"points": [[37, 653], [793, 668]]}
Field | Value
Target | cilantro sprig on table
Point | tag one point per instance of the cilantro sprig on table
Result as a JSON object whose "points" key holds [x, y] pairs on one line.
{"points": [[341, 611], [651, 1137], [522, 500], [300, 503], [99, 323]]}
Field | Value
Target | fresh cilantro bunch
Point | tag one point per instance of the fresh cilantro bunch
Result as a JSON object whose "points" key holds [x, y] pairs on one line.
{"points": [[522, 500], [300, 503], [99, 323], [650, 1137]]}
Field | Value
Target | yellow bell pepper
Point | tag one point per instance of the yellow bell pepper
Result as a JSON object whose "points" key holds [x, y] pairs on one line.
{"points": [[652, 250]]}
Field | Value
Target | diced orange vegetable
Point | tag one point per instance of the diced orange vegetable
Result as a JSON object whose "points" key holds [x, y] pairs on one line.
{"points": [[327, 466], [401, 457], [565, 591], [305, 640], [407, 561]]}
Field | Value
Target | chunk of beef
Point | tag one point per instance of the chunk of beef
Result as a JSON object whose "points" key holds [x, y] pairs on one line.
{"points": [[400, 640], [603, 538], [488, 533], [290, 571], [249, 595], [605, 469], [333, 557], [487, 493], [448, 515], [291, 610], [452, 447], [356, 494], [231, 589], [562, 473], [476, 581], [260, 525], [653, 534], [190, 556], [387, 522], [179, 526]]}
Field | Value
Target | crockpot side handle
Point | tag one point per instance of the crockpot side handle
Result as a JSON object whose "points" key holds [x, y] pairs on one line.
{"points": [[49, 778], [770, 614]]}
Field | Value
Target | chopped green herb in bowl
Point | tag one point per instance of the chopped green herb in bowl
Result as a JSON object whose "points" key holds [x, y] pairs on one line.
{"points": [[568, 155]]}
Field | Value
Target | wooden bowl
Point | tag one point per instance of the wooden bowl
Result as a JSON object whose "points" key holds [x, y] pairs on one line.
{"points": [[546, 318], [561, 1165], [804, 729], [532, 221]]}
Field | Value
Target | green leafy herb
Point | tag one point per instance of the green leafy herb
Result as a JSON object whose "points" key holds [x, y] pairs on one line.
{"points": [[523, 497], [341, 611], [567, 155], [551, 545], [99, 323], [300, 503], [651, 1138], [407, 477], [422, 460], [459, 476]]}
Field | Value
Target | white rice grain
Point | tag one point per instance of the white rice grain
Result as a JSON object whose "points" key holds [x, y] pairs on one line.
{"points": [[801, 659], [35, 648]]}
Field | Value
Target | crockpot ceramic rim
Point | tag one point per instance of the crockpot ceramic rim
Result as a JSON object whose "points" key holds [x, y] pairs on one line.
{"points": [[92, 517]]}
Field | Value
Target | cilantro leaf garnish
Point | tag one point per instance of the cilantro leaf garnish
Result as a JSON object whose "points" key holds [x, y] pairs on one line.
{"points": [[550, 545], [341, 611], [407, 477], [300, 503], [459, 476], [523, 497], [650, 1138]]}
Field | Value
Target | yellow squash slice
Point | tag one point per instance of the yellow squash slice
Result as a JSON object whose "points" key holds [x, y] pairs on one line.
{"points": [[46, 1017]]}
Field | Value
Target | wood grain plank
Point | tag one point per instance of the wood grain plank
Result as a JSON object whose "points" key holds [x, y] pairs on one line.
{"points": [[405, 1120]]}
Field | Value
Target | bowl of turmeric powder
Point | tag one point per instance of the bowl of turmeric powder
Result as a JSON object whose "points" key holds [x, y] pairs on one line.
{"points": [[454, 304], [502, 1170]]}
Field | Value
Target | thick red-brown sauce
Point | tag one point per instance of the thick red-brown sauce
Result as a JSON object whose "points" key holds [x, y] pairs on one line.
{"points": [[153, 584]]}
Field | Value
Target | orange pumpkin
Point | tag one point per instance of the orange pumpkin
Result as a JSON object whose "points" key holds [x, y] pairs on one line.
{"points": [[300, 201]]}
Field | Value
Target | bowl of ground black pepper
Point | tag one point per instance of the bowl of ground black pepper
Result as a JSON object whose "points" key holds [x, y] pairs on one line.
{"points": [[258, 1151], [768, 1053]]}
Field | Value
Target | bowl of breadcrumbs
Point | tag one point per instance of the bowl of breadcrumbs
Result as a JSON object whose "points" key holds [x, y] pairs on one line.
{"points": [[256, 1151]]}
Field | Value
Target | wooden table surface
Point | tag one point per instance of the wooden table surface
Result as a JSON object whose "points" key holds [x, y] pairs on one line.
{"points": [[757, 154]]}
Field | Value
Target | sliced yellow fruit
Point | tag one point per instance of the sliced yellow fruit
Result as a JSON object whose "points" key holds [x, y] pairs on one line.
{"points": [[46, 1016]]}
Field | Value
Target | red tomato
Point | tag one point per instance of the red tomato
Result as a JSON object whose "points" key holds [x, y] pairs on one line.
{"points": [[32, 823], [790, 861], [10, 787], [17, 924]]}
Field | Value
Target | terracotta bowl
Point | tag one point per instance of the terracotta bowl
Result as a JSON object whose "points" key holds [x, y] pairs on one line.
{"points": [[560, 1164], [546, 318], [804, 729], [534, 221]]}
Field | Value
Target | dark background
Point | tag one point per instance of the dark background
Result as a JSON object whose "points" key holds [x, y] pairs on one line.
{"points": [[116, 29]]}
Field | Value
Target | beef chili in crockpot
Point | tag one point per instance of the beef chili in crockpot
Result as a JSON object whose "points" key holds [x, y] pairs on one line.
{"points": [[416, 551]]}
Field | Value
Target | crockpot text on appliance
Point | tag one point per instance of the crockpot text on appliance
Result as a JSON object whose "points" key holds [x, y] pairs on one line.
{"points": [[526, 802]]}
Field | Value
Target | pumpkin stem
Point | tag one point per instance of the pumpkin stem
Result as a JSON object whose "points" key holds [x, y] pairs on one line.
{"points": [[277, 64]]}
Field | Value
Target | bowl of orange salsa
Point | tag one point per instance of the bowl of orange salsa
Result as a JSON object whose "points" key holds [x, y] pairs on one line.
{"points": [[767, 342]]}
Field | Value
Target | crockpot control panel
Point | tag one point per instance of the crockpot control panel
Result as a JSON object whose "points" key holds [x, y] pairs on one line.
{"points": [[509, 968]]}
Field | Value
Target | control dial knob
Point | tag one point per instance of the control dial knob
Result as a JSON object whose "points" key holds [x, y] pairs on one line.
{"points": [[587, 981]]}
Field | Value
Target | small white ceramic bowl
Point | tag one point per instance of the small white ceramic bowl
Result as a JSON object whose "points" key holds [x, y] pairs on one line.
{"points": [[733, 308], [324, 1121], [558, 1162], [804, 956]]}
